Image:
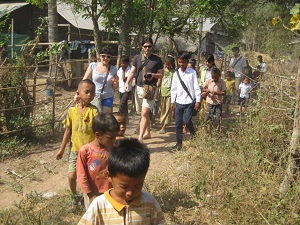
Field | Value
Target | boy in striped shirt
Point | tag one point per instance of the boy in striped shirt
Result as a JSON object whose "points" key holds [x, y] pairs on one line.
{"points": [[126, 202]]}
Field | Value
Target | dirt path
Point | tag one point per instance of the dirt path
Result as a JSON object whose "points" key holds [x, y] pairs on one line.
{"points": [[42, 173]]}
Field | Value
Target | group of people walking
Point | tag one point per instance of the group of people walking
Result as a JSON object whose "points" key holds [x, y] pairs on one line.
{"points": [[92, 129]]}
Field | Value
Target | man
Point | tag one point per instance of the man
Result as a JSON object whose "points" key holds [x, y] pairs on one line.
{"points": [[263, 65], [238, 65], [148, 69], [186, 98]]}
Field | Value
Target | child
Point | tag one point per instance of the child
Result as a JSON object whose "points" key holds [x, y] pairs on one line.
{"points": [[124, 95], [126, 203], [244, 88], [92, 158], [79, 129], [230, 87], [165, 111], [122, 123]]}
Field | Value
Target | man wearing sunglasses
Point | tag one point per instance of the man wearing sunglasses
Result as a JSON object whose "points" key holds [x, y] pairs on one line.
{"points": [[147, 68]]}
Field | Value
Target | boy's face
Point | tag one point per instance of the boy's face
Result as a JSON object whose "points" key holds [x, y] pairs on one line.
{"points": [[86, 92], [125, 188], [215, 77], [122, 123], [246, 81], [182, 63], [168, 65], [228, 77], [106, 140], [124, 65]]}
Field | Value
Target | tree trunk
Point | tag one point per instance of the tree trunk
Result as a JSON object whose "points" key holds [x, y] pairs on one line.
{"points": [[52, 32], [294, 154], [125, 28], [97, 33]]}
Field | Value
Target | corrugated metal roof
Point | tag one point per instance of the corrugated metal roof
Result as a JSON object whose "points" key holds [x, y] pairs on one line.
{"points": [[66, 11], [8, 8]]}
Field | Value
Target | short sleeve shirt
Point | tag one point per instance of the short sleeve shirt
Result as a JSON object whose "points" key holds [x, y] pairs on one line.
{"points": [[238, 65], [213, 86], [80, 124], [166, 83], [153, 65]]}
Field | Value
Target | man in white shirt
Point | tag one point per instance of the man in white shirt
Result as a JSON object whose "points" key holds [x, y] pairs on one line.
{"points": [[186, 101], [237, 65]]}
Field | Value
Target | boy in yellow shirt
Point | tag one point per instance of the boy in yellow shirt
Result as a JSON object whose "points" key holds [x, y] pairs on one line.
{"points": [[79, 130], [230, 87]]}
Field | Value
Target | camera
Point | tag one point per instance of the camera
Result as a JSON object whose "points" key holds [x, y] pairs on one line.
{"points": [[148, 75]]}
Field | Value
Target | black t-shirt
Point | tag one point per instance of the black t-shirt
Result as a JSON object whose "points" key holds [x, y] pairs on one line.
{"points": [[153, 65]]}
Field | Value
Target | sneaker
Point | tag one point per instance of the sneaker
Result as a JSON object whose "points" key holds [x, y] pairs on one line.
{"points": [[176, 147]]}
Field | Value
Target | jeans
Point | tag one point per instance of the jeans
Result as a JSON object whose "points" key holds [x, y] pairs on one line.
{"points": [[183, 115]]}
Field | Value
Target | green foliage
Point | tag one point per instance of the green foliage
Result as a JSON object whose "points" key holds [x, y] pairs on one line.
{"points": [[3, 37], [34, 209], [11, 147]]}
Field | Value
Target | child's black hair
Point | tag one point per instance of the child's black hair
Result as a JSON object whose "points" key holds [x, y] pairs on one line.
{"points": [[86, 81], [231, 74], [129, 157], [119, 114], [125, 59], [216, 71], [184, 56], [104, 123], [236, 48]]}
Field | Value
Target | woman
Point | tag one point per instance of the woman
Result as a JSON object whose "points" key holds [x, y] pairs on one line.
{"points": [[106, 80]]}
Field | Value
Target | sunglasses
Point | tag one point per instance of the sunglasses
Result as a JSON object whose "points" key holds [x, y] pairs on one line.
{"points": [[105, 56], [147, 46]]}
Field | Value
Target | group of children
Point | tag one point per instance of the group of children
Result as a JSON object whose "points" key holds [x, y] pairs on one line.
{"points": [[109, 168]]}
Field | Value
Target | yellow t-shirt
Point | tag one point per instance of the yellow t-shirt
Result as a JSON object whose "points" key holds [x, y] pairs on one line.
{"points": [[229, 90], [81, 126]]}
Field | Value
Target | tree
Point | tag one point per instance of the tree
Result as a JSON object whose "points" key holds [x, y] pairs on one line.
{"points": [[293, 165]]}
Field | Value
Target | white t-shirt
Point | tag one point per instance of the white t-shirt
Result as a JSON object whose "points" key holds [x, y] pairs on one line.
{"points": [[245, 90], [238, 65], [121, 82]]}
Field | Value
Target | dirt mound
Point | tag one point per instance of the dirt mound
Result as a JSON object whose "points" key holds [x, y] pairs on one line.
{"points": [[252, 57]]}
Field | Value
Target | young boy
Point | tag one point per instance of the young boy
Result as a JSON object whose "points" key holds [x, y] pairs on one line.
{"points": [[122, 123], [92, 173], [244, 88], [165, 111], [214, 89], [124, 95], [126, 203], [230, 87], [79, 130]]}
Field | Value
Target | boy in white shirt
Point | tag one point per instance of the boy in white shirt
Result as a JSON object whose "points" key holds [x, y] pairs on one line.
{"points": [[124, 96], [244, 89]]}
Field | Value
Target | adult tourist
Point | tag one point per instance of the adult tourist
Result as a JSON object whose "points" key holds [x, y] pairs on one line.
{"points": [[104, 75], [147, 68]]}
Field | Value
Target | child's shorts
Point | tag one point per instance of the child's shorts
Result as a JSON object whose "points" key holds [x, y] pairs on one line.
{"points": [[72, 161], [227, 99], [242, 101]]}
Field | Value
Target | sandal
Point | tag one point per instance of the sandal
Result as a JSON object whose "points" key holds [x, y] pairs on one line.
{"points": [[162, 132]]}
